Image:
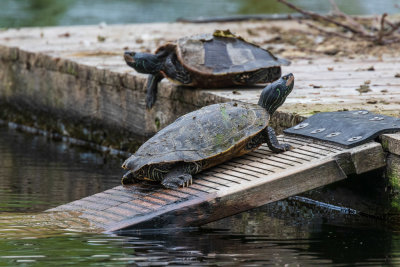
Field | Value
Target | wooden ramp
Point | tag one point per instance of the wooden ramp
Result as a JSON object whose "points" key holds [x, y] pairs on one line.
{"points": [[244, 183]]}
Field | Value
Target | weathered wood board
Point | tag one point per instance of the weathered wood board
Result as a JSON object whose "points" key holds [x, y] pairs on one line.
{"points": [[244, 183], [391, 143]]}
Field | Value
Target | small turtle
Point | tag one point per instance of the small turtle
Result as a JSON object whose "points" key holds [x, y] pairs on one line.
{"points": [[214, 60], [207, 137]]}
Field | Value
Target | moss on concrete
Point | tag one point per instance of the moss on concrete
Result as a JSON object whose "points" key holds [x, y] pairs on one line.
{"points": [[71, 69], [385, 144], [157, 123], [393, 181], [56, 127]]}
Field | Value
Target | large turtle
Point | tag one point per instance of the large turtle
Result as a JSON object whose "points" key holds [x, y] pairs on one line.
{"points": [[214, 60], [207, 137]]}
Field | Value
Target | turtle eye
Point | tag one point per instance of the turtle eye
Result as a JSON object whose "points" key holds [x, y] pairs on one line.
{"points": [[285, 78]]}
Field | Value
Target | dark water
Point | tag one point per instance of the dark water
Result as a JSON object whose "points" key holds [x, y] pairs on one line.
{"points": [[24, 13], [36, 174]]}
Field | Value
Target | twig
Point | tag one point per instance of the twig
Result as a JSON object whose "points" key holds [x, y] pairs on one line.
{"points": [[381, 31], [326, 32], [316, 16], [395, 27], [389, 23], [337, 12], [335, 9], [381, 37], [391, 41]]}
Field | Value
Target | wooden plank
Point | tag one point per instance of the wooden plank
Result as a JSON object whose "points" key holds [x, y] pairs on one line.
{"points": [[371, 159], [265, 161], [391, 143], [231, 179], [217, 180], [229, 188], [230, 175], [280, 160], [235, 171]]}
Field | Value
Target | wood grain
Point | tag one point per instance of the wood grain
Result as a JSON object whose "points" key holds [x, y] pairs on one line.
{"points": [[235, 186], [391, 143]]}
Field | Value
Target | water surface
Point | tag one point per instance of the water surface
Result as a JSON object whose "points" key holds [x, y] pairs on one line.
{"points": [[25, 13], [37, 174]]}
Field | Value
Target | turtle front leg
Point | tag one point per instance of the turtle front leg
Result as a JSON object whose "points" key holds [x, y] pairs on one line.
{"points": [[151, 87], [273, 142], [175, 71], [177, 177]]}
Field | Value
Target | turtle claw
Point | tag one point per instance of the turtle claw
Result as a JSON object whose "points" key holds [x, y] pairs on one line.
{"points": [[150, 100], [287, 147], [282, 148], [182, 180], [187, 183]]}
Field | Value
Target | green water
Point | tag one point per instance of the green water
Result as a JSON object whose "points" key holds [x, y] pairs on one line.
{"points": [[23, 13], [37, 174]]}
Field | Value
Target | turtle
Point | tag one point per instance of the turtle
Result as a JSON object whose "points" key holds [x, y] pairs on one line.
{"points": [[206, 137], [216, 60]]}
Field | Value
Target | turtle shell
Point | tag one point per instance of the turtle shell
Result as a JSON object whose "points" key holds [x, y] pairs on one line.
{"points": [[223, 53], [208, 133]]}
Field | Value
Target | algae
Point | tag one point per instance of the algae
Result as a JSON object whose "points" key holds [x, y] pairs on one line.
{"points": [[157, 123], [393, 176], [91, 133], [385, 144], [219, 139], [71, 70], [224, 114]]}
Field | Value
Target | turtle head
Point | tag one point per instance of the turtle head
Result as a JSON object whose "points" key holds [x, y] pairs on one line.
{"points": [[143, 62], [275, 93]]}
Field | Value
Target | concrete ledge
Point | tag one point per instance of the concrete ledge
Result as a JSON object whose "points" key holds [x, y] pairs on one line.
{"points": [[77, 86]]}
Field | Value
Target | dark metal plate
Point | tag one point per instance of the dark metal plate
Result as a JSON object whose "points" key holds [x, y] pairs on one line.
{"points": [[347, 128]]}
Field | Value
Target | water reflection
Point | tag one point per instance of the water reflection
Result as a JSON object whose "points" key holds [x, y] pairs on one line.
{"points": [[36, 174], [315, 235], [280, 243]]}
